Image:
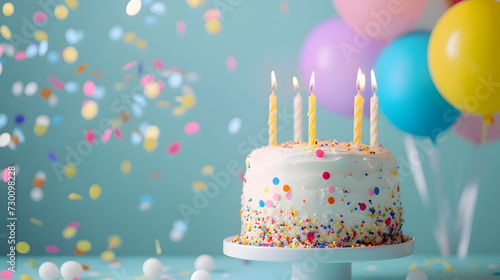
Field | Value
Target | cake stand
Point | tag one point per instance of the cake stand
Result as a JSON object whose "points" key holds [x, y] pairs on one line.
{"points": [[318, 263]]}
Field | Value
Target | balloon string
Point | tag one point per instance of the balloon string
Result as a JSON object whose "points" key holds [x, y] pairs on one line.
{"points": [[487, 120]]}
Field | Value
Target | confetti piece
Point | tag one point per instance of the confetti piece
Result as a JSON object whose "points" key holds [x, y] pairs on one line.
{"points": [[39, 179], [22, 247], [133, 7], [70, 170], [81, 69], [234, 125], [97, 74], [412, 266], [106, 135], [116, 33], [89, 88], [158, 8], [69, 232], [74, 36], [195, 3], [83, 245], [211, 14], [72, 4], [61, 12], [90, 136], [130, 65], [181, 26], [175, 80], [25, 277], [152, 90], [107, 256], [207, 170], [178, 111], [4, 139], [36, 222], [45, 93], [43, 48], [231, 63], [163, 104], [6, 274], [89, 109], [52, 249], [74, 196], [157, 246], [284, 7], [213, 26], [70, 54], [155, 175], [20, 55], [174, 148], [141, 44], [17, 88], [36, 194], [95, 191], [5, 32], [39, 17], [7, 9], [41, 35], [191, 128], [199, 186], [57, 83], [114, 241]]}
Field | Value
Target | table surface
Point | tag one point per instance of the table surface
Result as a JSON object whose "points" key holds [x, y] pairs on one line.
{"points": [[477, 267]]}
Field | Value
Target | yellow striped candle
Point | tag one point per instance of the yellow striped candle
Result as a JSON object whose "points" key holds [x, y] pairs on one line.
{"points": [[272, 111], [312, 113], [374, 113], [358, 109], [297, 113]]}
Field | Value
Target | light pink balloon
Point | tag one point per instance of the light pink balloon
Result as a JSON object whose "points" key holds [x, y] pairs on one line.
{"points": [[471, 128], [383, 20]]}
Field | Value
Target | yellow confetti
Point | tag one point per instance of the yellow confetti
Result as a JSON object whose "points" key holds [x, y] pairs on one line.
{"points": [[266, 189], [72, 4], [89, 109], [41, 35], [70, 54], [22, 247], [184, 273], [394, 173], [152, 90], [447, 266], [118, 86], [163, 104], [7, 9], [70, 170], [25, 277], [207, 170], [75, 196], [150, 144], [199, 186], [69, 232], [188, 101], [141, 44], [39, 130], [157, 245], [114, 241], [32, 263], [474, 266], [195, 3], [412, 266], [178, 111], [5, 32], [152, 132], [126, 166], [129, 37], [36, 222], [61, 12], [83, 245], [107, 256], [95, 191], [213, 26]]}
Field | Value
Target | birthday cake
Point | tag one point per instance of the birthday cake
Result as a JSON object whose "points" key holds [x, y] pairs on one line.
{"points": [[330, 194]]}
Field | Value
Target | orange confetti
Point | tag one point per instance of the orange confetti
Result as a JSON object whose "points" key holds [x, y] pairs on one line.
{"points": [[45, 92], [82, 68], [113, 242]]}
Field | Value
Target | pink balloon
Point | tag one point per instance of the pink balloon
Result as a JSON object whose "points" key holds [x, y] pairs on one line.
{"points": [[471, 128], [383, 20], [334, 51]]}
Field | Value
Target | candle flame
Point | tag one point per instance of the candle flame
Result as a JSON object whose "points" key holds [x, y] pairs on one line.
{"points": [[273, 80], [295, 84], [374, 82], [360, 80], [311, 82]]}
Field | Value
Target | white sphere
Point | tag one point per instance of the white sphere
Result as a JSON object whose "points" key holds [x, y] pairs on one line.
{"points": [[71, 269], [416, 274], [201, 275], [152, 267], [48, 271], [204, 262]]}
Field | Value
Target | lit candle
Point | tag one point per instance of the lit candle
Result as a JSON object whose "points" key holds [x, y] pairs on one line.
{"points": [[272, 112], [358, 109], [312, 113], [297, 113], [374, 113]]}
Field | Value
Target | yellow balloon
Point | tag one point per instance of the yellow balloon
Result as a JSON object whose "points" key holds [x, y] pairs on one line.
{"points": [[464, 57]]}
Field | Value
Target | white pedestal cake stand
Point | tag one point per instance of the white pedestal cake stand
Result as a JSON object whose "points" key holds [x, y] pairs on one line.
{"points": [[318, 263]]}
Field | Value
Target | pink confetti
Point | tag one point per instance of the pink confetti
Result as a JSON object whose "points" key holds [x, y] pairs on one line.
{"points": [[129, 65], [52, 249], [191, 128], [73, 225], [55, 82], [39, 17], [388, 221], [231, 63], [89, 88], [76, 278], [6, 274], [6, 175], [174, 148], [211, 14], [310, 237], [106, 135], [269, 203], [181, 26], [320, 153], [276, 197], [158, 64], [146, 79], [288, 195], [161, 84], [326, 175], [370, 192], [20, 55], [118, 133], [1, 50], [90, 136], [330, 189], [362, 207], [85, 102]]}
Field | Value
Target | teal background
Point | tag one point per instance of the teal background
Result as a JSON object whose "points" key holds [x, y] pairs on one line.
{"points": [[261, 39]]}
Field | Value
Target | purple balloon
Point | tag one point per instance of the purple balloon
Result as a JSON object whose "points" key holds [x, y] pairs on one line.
{"points": [[471, 128], [334, 51]]}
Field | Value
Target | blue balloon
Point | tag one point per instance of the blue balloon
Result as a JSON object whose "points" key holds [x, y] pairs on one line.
{"points": [[407, 95]]}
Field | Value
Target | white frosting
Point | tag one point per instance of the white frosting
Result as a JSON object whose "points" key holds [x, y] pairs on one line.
{"points": [[363, 183]]}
